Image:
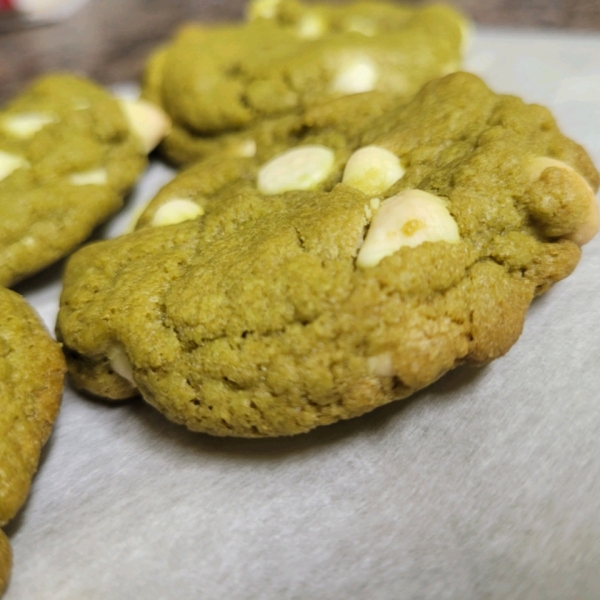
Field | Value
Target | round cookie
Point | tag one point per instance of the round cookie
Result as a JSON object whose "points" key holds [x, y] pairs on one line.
{"points": [[32, 369], [5, 561], [215, 81], [69, 152], [260, 297]]}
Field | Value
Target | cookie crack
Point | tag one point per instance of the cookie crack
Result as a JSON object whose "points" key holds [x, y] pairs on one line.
{"points": [[299, 238]]}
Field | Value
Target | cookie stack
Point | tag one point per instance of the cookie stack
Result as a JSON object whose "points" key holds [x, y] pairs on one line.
{"points": [[353, 219]]}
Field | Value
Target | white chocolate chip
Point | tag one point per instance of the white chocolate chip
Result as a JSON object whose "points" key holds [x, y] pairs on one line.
{"points": [[135, 217], [93, 177], [381, 365], [265, 9], [27, 125], [302, 168], [361, 25], [310, 27], [372, 170], [246, 149], [466, 32], [81, 104], [147, 121], [588, 229], [407, 219], [356, 76], [538, 165], [120, 364], [177, 210], [9, 163], [450, 67]]}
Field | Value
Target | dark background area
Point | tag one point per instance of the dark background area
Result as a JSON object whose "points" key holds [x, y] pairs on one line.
{"points": [[109, 39]]}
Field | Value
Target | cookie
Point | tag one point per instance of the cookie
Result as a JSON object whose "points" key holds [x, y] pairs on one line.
{"points": [[266, 296], [221, 80], [69, 151], [312, 21], [32, 369]]}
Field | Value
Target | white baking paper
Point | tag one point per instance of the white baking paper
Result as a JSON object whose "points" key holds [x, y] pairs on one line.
{"points": [[484, 486]]}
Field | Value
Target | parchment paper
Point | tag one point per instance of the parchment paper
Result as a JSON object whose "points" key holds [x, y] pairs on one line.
{"points": [[486, 485]]}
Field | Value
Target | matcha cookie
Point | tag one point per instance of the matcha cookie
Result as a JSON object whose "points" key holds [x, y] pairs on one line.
{"points": [[69, 151], [222, 80], [312, 21], [32, 370], [336, 275], [5, 561]]}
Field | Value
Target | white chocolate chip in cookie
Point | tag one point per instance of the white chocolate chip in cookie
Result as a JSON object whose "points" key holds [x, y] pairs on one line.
{"points": [[301, 168], [10, 163], [175, 211], [407, 219], [264, 9], [587, 230], [147, 121], [372, 170], [381, 365], [362, 25], [356, 76], [310, 27], [120, 364], [246, 149], [450, 67], [538, 165], [466, 31], [81, 104], [93, 177], [26, 125]]}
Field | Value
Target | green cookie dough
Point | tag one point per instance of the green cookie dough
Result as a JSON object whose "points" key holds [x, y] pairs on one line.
{"points": [[315, 20], [265, 314], [67, 157], [5, 561], [269, 136], [32, 370], [214, 81]]}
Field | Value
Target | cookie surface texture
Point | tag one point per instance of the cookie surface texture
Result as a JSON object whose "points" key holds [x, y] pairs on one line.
{"points": [[216, 80], [5, 561], [67, 156], [259, 300], [32, 370]]}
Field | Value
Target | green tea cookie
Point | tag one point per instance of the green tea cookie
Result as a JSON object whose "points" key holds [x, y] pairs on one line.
{"points": [[32, 370], [224, 79], [312, 21], [69, 152], [278, 293]]}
